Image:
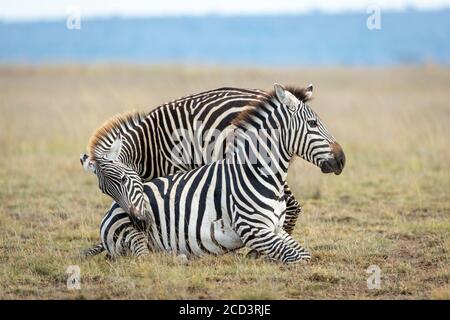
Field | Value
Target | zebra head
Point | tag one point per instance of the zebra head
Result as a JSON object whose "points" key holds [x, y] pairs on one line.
{"points": [[306, 135], [118, 180]]}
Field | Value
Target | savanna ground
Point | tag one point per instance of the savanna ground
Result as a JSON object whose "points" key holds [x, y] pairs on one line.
{"points": [[390, 207]]}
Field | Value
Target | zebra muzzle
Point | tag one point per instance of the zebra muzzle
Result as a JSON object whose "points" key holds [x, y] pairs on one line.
{"points": [[336, 163]]}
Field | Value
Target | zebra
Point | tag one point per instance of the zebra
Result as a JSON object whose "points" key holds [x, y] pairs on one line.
{"points": [[236, 202], [133, 148]]}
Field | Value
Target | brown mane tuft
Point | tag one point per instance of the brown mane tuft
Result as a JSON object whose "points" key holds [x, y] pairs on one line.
{"points": [[244, 116], [110, 128], [299, 93]]}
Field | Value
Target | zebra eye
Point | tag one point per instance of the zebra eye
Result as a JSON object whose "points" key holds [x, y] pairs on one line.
{"points": [[312, 123], [124, 179]]}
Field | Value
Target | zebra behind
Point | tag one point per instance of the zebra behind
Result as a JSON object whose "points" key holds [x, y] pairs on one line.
{"points": [[238, 201]]}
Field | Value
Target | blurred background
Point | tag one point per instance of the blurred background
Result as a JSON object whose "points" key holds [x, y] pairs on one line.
{"points": [[252, 32], [381, 79]]}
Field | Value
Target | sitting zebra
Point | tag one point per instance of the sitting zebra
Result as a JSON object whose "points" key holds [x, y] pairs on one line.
{"points": [[240, 200]]}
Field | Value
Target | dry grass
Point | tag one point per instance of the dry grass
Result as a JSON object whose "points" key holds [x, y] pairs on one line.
{"points": [[390, 207]]}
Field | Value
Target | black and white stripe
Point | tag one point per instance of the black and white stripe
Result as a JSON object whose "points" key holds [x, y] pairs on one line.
{"points": [[148, 145], [238, 202], [119, 237]]}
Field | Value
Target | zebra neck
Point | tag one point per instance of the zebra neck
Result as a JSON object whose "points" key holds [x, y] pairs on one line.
{"points": [[259, 145], [137, 146], [262, 158], [131, 162]]}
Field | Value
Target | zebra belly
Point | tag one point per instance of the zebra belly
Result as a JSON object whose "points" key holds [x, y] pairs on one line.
{"points": [[184, 201], [225, 236], [216, 233]]}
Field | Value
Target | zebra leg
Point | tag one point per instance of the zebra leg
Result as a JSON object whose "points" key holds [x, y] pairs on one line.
{"points": [[291, 242], [293, 210], [127, 240], [280, 247], [92, 251], [137, 243], [120, 237]]}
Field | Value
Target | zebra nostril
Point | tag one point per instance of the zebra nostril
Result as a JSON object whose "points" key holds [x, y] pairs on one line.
{"points": [[342, 159], [83, 158], [339, 154]]}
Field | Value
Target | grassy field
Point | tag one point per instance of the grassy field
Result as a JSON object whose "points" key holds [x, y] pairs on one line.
{"points": [[390, 207]]}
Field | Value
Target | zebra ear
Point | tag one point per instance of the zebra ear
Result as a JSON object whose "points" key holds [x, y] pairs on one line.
{"points": [[309, 91], [280, 92], [114, 151], [286, 97], [88, 164]]}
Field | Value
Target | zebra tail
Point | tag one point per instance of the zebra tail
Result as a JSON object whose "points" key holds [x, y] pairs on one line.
{"points": [[92, 251]]}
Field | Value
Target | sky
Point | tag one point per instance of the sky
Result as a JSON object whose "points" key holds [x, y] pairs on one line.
{"points": [[23, 10]]}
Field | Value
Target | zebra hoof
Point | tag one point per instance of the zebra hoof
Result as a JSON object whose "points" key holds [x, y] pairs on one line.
{"points": [[109, 257], [306, 257], [182, 259], [253, 254], [306, 254]]}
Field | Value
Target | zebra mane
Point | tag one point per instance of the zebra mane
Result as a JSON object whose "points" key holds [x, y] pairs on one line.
{"points": [[108, 131], [254, 106]]}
